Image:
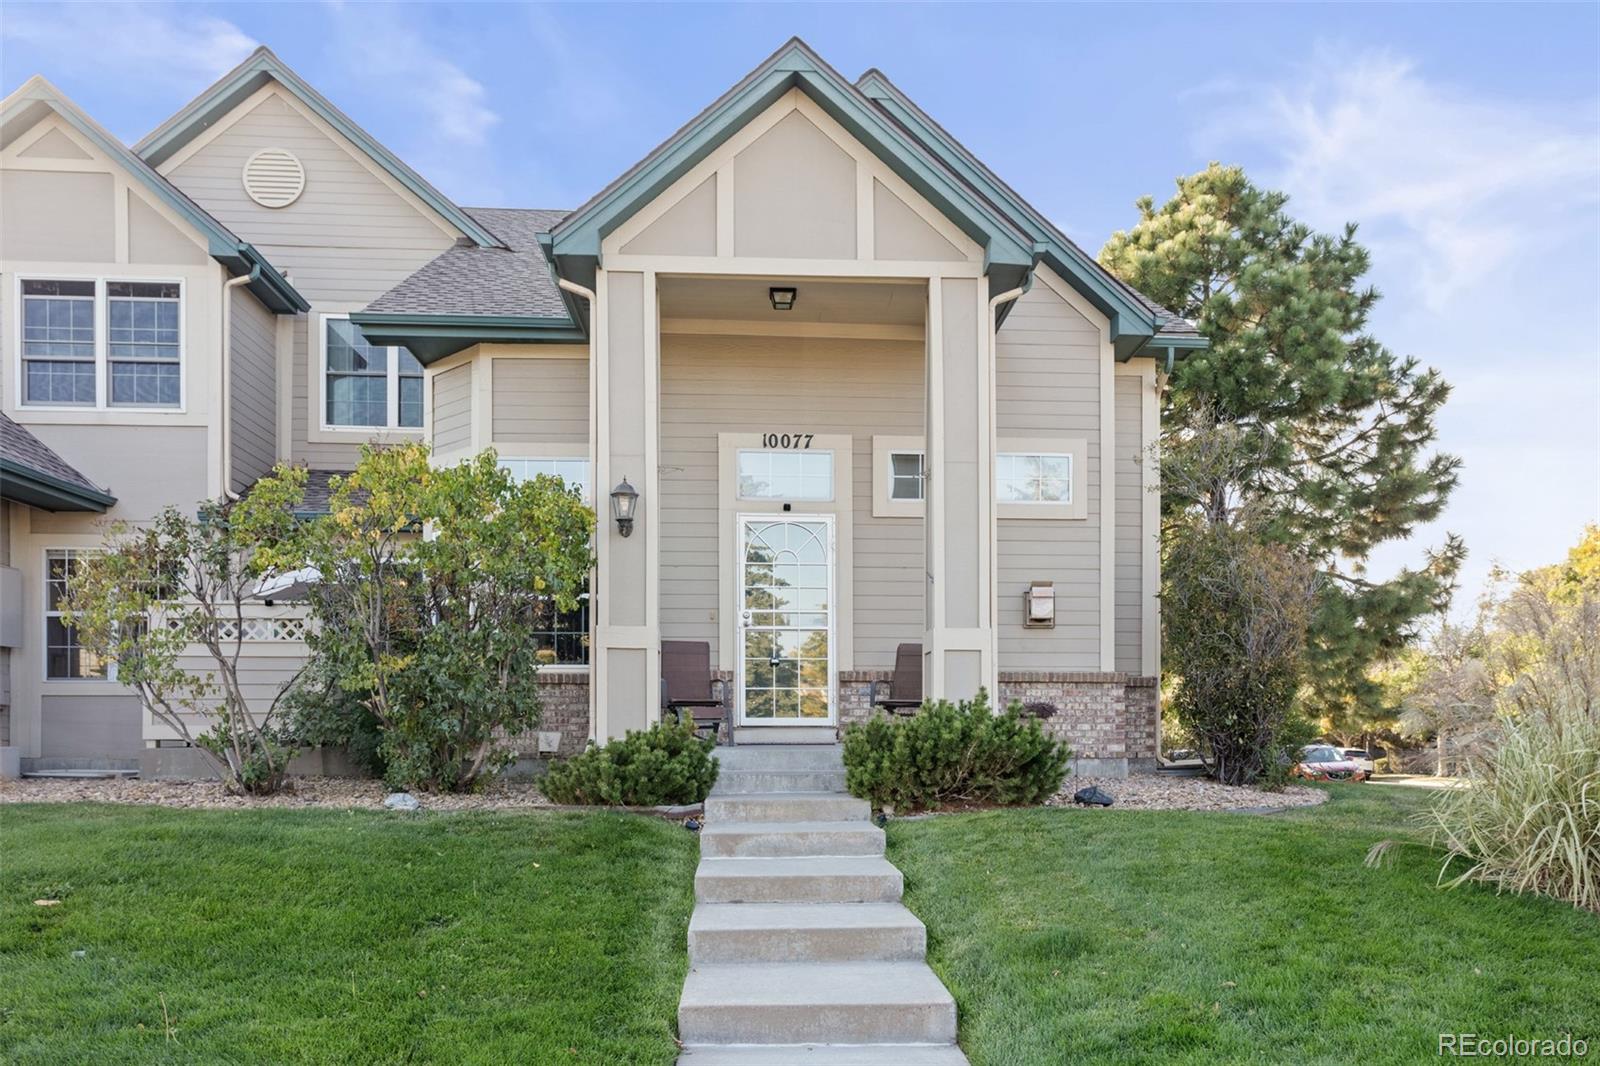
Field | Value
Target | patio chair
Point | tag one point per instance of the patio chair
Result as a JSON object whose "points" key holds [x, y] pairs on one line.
{"points": [[687, 684], [903, 694]]}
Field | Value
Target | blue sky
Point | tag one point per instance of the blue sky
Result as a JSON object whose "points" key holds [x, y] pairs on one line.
{"points": [[1464, 139]]}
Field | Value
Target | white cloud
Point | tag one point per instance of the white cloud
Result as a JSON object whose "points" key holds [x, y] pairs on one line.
{"points": [[137, 44], [397, 59], [1448, 186]]}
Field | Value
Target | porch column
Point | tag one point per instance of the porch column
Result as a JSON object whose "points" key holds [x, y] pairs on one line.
{"points": [[959, 642], [626, 648]]}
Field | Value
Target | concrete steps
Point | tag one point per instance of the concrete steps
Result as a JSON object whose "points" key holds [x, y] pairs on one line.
{"points": [[823, 1055], [815, 1002], [800, 950], [789, 839], [818, 932], [831, 879], [754, 735], [785, 807]]}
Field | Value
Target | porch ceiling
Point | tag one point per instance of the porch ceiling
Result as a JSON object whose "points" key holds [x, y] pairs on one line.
{"points": [[891, 303]]}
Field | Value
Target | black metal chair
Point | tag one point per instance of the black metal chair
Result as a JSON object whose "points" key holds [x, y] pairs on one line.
{"points": [[903, 694], [687, 684]]}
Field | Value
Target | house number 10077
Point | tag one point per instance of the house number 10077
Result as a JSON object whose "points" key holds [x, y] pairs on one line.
{"points": [[786, 440]]}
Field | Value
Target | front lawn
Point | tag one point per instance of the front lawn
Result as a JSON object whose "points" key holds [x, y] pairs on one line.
{"points": [[278, 936], [1133, 936]]}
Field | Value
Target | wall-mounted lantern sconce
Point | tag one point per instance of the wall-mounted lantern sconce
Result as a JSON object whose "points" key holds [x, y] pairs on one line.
{"points": [[624, 502], [1039, 605], [782, 298]]}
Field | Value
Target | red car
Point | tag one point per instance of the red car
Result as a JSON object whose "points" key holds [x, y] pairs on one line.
{"points": [[1324, 762]]}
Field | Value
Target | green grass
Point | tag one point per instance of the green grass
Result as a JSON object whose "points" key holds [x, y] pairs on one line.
{"points": [[353, 937], [1130, 937]]}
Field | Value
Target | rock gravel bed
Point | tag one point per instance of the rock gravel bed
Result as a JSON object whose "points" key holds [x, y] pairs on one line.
{"points": [[1154, 792], [327, 792]]}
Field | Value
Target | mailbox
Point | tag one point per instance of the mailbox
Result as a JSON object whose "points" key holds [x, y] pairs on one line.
{"points": [[1039, 605]]}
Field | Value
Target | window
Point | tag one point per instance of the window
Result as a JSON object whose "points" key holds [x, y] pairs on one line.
{"points": [[58, 344], [575, 471], [65, 658], [905, 476], [66, 362], [785, 475], [142, 328], [368, 385], [562, 637], [1033, 478]]}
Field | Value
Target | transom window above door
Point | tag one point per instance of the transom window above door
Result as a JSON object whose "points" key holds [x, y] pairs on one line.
{"points": [[780, 475], [368, 385]]}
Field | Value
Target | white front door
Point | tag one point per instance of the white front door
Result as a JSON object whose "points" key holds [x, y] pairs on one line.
{"points": [[785, 632]]}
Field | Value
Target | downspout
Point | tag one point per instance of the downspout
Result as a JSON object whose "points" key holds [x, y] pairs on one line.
{"points": [[227, 358], [993, 531], [597, 490]]}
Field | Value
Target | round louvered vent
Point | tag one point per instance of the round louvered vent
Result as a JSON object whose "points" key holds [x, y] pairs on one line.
{"points": [[274, 177]]}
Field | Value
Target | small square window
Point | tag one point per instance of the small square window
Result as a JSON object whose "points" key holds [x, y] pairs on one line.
{"points": [[906, 481]]}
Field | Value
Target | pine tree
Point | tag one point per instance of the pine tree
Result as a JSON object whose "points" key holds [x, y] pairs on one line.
{"points": [[1344, 429]]}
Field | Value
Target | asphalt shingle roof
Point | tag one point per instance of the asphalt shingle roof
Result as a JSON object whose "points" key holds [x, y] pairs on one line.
{"points": [[21, 447], [514, 281]]}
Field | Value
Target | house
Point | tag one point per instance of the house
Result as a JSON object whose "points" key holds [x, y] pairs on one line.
{"points": [[867, 396]]}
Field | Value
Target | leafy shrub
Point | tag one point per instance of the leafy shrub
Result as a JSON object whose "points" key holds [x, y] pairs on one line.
{"points": [[1529, 818], [1236, 611], [953, 752], [666, 763]]}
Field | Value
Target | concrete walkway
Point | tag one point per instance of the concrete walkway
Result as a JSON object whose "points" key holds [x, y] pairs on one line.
{"points": [[799, 948]]}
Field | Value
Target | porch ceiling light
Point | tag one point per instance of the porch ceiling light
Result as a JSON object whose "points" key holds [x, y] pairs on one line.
{"points": [[782, 298], [624, 502]]}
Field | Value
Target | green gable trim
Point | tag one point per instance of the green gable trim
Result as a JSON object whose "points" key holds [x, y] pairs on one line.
{"points": [[263, 66], [24, 484], [433, 337], [269, 286], [575, 242]]}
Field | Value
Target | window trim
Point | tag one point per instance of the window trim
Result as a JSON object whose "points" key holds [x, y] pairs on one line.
{"points": [[1075, 450], [46, 613], [318, 392], [102, 344]]}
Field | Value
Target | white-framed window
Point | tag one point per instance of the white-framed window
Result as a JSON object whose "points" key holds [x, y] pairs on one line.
{"points": [[64, 658], [364, 385], [572, 470], [1033, 477], [907, 482], [101, 343], [780, 475]]}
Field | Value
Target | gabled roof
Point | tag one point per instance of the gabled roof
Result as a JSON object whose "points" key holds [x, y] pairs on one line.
{"points": [[575, 242], [469, 294], [23, 108], [261, 67], [32, 473], [1135, 319]]}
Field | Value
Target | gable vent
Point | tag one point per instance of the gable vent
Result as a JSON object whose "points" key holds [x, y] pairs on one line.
{"points": [[274, 177]]}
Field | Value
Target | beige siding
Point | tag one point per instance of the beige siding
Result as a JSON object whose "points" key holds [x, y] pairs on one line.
{"points": [[253, 383], [712, 385], [90, 727], [348, 239], [1047, 382], [541, 401], [452, 409], [51, 216], [1130, 516]]}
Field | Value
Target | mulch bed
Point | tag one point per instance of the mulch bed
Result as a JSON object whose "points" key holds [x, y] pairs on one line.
{"points": [[304, 792], [1155, 792]]}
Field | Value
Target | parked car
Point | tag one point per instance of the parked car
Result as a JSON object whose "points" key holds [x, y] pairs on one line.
{"points": [[1362, 758], [1324, 762]]}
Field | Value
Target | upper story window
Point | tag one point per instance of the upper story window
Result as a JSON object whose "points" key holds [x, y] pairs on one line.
{"points": [[368, 385], [768, 475], [906, 481], [573, 471], [68, 360], [1033, 478]]}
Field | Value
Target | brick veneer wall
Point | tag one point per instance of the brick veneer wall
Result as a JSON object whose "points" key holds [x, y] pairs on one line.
{"points": [[564, 697]]}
